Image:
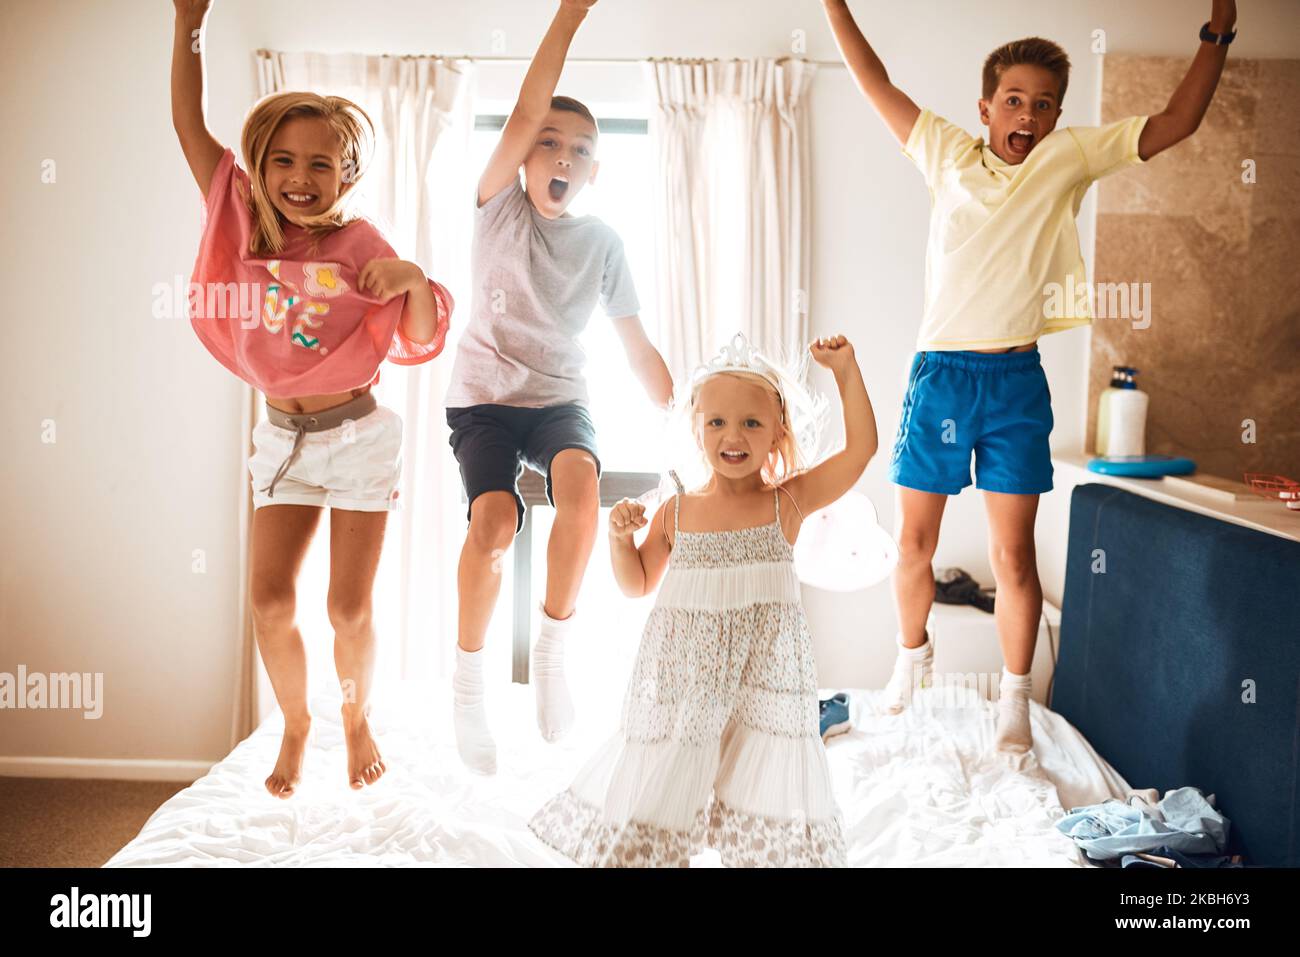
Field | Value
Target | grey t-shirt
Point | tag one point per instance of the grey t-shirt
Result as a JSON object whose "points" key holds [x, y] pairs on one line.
{"points": [[536, 284]]}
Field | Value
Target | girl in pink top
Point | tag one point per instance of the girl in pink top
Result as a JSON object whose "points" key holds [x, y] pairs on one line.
{"points": [[304, 303]]}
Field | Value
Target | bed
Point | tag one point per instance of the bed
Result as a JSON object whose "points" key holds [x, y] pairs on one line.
{"points": [[916, 789], [1181, 661], [1155, 654]]}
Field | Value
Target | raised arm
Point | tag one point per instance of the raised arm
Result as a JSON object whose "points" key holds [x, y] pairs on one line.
{"points": [[894, 106], [637, 570], [827, 481], [529, 115], [646, 362], [189, 115], [1187, 106]]}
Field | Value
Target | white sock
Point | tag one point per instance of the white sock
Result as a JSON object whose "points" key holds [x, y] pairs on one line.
{"points": [[912, 671], [1013, 734], [473, 739], [554, 704]]}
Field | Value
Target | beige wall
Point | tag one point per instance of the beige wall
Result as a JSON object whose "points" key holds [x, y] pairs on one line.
{"points": [[1223, 341], [99, 528]]}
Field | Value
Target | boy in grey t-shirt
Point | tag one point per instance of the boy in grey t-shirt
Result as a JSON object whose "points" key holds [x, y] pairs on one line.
{"points": [[517, 394]]}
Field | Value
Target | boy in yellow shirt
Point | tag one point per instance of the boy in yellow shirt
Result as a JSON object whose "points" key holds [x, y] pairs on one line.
{"points": [[1002, 244]]}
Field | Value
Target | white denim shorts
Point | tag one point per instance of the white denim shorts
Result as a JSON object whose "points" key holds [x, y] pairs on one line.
{"points": [[355, 465]]}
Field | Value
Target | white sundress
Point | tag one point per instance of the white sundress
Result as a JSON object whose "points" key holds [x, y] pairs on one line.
{"points": [[719, 741]]}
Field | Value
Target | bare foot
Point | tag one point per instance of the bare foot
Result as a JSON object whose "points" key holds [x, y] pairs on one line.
{"points": [[365, 766], [288, 766]]}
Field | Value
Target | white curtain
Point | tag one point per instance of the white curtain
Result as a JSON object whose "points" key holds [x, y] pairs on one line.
{"points": [[417, 190], [734, 205]]}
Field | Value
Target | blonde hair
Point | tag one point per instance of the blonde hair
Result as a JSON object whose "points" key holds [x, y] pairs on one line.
{"points": [[355, 132]]}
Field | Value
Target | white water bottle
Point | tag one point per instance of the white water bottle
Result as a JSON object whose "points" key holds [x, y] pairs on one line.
{"points": [[1122, 416]]}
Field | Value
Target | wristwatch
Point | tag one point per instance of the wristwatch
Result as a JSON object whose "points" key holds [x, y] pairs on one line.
{"points": [[1218, 39]]}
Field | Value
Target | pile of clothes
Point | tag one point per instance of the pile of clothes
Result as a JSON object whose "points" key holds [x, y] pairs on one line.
{"points": [[954, 586], [1181, 830]]}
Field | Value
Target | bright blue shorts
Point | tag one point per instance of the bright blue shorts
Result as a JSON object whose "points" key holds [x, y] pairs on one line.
{"points": [[996, 405]]}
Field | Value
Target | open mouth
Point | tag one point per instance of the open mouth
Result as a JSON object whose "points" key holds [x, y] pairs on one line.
{"points": [[733, 456], [1021, 142], [559, 185], [300, 200]]}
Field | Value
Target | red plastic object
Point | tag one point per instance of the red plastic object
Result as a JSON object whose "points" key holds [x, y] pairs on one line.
{"points": [[1275, 487]]}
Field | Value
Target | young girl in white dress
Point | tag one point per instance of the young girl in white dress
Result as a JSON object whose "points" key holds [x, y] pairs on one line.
{"points": [[719, 741]]}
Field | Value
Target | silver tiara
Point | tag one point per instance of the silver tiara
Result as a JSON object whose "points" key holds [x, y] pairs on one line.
{"points": [[803, 409], [739, 356]]}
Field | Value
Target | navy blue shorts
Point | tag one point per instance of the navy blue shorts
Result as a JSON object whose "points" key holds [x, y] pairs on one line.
{"points": [[493, 443], [996, 405]]}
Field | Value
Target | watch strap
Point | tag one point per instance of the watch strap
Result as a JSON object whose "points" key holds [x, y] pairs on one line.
{"points": [[1218, 39]]}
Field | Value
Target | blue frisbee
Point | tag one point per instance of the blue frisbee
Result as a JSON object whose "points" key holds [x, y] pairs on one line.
{"points": [[1141, 466]]}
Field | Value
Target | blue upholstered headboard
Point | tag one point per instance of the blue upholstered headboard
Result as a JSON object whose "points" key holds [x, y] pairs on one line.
{"points": [[1161, 650]]}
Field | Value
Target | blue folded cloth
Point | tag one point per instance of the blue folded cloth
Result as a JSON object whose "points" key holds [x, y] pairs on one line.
{"points": [[1184, 821]]}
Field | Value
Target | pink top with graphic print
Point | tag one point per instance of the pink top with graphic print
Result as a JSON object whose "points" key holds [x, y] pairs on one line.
{"points": [[297, 324]]}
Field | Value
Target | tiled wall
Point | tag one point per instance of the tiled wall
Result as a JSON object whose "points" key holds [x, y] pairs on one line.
{"points": [[1223, 261]]}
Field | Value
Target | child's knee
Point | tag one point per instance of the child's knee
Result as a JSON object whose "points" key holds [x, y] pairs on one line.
{"points": [[494, 518], [1014, 563], [916, 546], [349, 613], [273, 604], [575, 485]]}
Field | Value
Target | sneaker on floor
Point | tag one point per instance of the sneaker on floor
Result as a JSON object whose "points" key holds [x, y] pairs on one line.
{"points": [[835, 716]]}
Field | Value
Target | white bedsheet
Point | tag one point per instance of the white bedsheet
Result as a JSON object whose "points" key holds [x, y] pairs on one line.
{"points": [[916, 789]]}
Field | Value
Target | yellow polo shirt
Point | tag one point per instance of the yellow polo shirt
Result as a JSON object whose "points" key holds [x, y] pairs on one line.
{"points": [[1002, 264]]}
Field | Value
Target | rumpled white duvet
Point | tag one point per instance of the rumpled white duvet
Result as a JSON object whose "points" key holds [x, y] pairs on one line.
{"points": [[919, 789]]}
